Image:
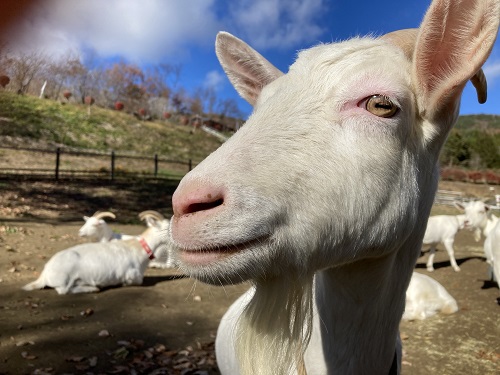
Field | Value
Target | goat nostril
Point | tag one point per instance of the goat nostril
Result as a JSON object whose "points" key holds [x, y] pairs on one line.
{"points": [[203, 206]]}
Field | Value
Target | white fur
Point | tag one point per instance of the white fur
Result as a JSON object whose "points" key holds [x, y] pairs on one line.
{"points": [[443, 229], [321, 202], [97, 230], [88, 267], [426, 297], [164, 258], [479, 215]]}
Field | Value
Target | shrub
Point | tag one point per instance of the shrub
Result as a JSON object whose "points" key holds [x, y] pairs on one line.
{"points": [[4, 81], [89, 100], [119, 106], [475, 176], [453, 174], [492, 178]]}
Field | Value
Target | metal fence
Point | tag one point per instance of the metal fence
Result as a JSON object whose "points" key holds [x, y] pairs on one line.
{"points": [[448, 197], [63, 163]]}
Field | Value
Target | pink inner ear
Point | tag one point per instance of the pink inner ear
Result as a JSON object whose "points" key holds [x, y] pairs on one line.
{"points": [[247, 69], [453, 44]]}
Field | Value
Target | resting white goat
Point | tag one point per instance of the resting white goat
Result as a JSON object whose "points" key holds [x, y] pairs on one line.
{"points": [[442, 229], [88, 267], [163, 259], [426, 297], [97, 230], [322, 197], [479, 215]]}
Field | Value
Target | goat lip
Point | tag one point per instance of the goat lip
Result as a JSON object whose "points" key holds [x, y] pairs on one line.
{"points": [[200, 256]]}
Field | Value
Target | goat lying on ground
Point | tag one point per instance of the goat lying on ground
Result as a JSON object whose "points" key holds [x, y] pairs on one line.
{"points": [[97, 230], [88, 267], [426, 297], [322, 197], [163, 259]]}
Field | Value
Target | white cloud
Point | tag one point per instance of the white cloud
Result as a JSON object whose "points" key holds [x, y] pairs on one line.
{"points": [[277, 23], [142, 31], [214, 79], [150, 30], [492, 71]]}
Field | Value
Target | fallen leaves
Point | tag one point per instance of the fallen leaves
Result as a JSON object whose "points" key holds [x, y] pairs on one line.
{"points": [[25, 342], [87, 312], [26, 355], [104, 333], [488, 355]]}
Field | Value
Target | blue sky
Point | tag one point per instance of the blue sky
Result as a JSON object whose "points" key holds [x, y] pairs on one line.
{"points": [[182, 32]]}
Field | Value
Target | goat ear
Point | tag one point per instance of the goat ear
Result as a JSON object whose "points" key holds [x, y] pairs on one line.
{"points": [[151, 222], [454, 41], [247, 69]]}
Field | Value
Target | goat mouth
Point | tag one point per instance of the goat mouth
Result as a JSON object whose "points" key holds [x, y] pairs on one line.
{"points": [[207, 255]]}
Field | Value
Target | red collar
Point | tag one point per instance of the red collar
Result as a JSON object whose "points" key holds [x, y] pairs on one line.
{"points": [[146, 247]]}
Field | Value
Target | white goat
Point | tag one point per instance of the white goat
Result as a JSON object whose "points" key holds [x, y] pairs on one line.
{"points": [[97, 230], [479, 215], [426, 297], [322, 197], [163, 259], [443, 229], [88, 267]]}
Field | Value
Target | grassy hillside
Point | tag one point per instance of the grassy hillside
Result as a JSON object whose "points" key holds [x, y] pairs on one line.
{"points": [[28, 121], [479, 122]]}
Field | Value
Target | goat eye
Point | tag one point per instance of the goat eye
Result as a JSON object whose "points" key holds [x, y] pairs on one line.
{"points": [[381, 106]]}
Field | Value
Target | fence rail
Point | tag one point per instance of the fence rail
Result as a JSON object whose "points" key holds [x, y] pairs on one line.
{"points": [[448, 197], [67, 163]]}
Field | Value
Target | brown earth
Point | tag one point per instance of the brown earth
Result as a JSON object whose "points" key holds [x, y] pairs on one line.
{"points": [[167, 325]]}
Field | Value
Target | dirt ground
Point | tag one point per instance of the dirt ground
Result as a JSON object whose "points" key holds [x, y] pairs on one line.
{"points": [[167, 325]]}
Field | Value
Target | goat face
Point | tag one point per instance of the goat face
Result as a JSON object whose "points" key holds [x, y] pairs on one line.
{"points": [[322, 160], [338, 159], [476, 213], [92, 227]]}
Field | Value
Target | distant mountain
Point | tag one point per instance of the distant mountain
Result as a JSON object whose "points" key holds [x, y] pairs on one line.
{"points": [[479, 122]]}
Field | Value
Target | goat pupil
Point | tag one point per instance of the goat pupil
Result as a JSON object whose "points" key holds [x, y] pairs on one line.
{"points": [[383, 105]]}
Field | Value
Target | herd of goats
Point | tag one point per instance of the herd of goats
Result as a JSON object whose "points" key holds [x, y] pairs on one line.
{"points": [[112, 258]]}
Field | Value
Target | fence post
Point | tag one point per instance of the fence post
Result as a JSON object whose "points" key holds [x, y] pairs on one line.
{"points": [[112, 164], [58, 160], [190, 165], [156, 165]]}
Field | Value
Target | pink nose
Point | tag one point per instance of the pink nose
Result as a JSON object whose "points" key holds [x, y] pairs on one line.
{"points": [[197, 198]]}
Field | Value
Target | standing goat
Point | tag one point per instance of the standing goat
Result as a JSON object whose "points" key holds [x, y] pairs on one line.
{"points": [[479, 215], [443, 229], [321, 199], [88, 267], [97, 230]]}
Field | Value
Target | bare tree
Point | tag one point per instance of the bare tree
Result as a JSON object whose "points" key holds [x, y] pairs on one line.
{"points": [[23, 68], [126, 82], [207, 98]]}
